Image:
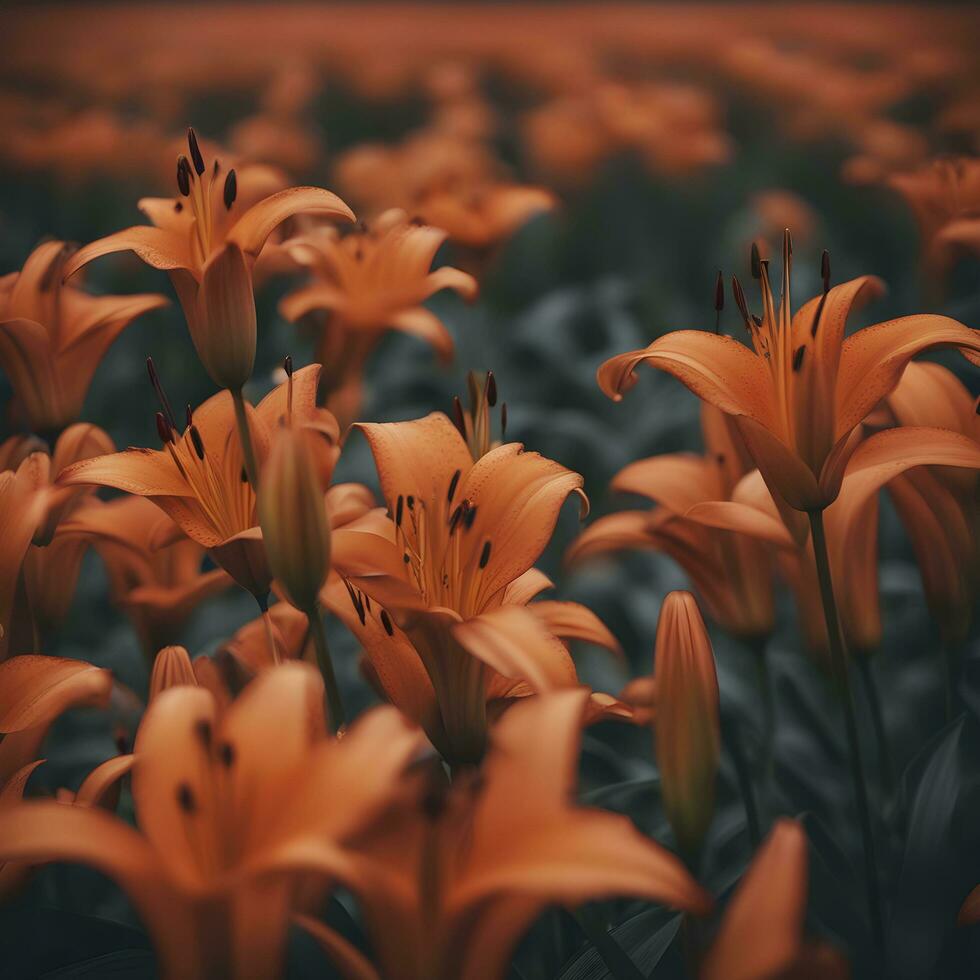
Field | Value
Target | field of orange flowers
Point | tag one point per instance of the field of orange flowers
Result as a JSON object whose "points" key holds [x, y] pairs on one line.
{"points": [[489, 491]]}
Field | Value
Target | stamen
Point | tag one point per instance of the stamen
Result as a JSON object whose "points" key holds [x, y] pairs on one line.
{"points": [[798, 357], [231, 188], [198, 442], [160, 393], [226, 754], [163, 430], [386, 623], [469, 517], [195, 151], [190, 417], [825, 270], [503, 421], [178, 206], [185, 798], [410, 501], [454, 520], [203, 731], [399, 510], [243, 476], [183, 176], [485, 555], [756, 262], [453, 483], [743, 308], [459, 419], [491, 389]]}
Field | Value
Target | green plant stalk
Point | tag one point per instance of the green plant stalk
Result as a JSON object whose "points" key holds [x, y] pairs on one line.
{"points": [[838, 660], [760, 654], [733, 741], [877, 722], [245, 436], [336, 718]]}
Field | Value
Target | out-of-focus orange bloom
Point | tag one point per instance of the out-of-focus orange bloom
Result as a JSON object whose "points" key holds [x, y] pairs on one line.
{"points": [[198, 478], [208, 240], [800, 394], [230, 811], [682, 703], [851, 525], [732, 572], [452, 572], [288, 143], [938, 506], [367, 282], [970, 910], [53, 336], [449, 888], [34, 690], [157, 585], [761, 934], [944, 196]]}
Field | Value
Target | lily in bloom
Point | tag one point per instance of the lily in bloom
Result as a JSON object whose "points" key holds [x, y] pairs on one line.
{"points": [[367, 282], [53, 336], [451, 570], [231, 812], [198, 478], [938, 506], [208, 240], [732, 572], [800, 392], [450, 887], [34, 691], [157, 585], [761, 935]]}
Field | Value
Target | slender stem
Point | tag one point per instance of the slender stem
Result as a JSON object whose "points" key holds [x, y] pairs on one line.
{"points": [[877, 722], [733, 740], [764, 678], [838, 659], [245, 435], [336, 718]]}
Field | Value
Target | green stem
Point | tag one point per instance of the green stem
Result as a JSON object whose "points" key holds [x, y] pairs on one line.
{"points": [[336, 718], [734, 742], [838, 660], [877, 722], [245, 436]]}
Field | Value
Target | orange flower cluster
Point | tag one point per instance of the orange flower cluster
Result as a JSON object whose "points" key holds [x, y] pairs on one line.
{"points": [[448, 813]]}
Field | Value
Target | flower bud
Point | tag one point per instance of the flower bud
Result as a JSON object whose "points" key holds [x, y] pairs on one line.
{"points": [[224, 334], [171, 668], [294, 519], [686, 725]]}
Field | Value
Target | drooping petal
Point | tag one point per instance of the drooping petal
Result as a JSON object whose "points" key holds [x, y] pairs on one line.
{"points": [[146, 472], [103, 779], [260, 220], [34, 690], [570, 620], [614, 532], [158, 247], [424, 324], [677, 480], [717, 369]]}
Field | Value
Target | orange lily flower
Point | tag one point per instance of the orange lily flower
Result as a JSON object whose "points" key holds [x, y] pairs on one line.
{"points": [[970, 910], [53, 336], [158, 587], [208, 242], [448, 889], [369, 281], [732, 572], [34, 690], [197, 478], [451, 570], [761, 934], [800, 394], [938, 506], [231, 812], [851, 526]]}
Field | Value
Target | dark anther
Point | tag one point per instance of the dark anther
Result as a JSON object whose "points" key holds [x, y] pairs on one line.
{"points": [[410, 501], [739, 296], [185, 798], [788, 241], [798, 357], [469, 517], [226, 753], [485, 554], [243, 476], [203, 731], [399, 510], [160, 393], [196, 157], [216, 168], [183, 176], [418, 221], [455, 518], [163, 430], [198, 442], [756, 262], [825, 270], [458, 418], [231, 189], [453, 483], [367, 602], [386, 623], [406, 558], [288, 365], [190, 417], [178, 206], [491, 389], [719, 292]]}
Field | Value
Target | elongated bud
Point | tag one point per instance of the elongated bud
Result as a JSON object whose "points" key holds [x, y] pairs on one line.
{"points": [[171, 668], [224, 328], [294, 520], [687, 726]]}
